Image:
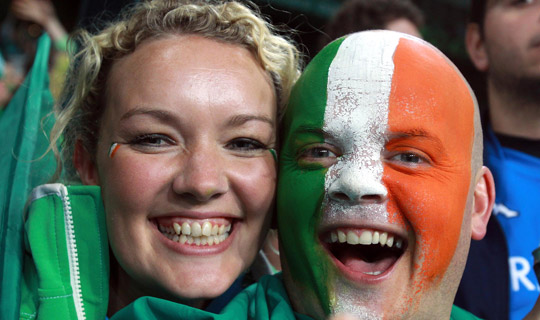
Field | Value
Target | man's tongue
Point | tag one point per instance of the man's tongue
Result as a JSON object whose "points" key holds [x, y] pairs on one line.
{"points": [[358, 263]]}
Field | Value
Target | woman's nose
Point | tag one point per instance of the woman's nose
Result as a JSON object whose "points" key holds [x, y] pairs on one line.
{"points": [[203, 175]]}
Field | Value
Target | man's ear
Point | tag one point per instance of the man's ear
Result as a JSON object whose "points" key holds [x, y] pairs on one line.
{"points": [[484, 197], [474, 41], [84, 164]]}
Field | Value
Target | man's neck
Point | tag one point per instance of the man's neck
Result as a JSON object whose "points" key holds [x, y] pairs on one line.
{"points": [[512, 115]]}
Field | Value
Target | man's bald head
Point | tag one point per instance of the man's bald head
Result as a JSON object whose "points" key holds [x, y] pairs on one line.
{"points": [[381, 145]]}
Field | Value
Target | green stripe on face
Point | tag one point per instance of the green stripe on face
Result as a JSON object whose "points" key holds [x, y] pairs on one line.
{"points": [[300, 186]]}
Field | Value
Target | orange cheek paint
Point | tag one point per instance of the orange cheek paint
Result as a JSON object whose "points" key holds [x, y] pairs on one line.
{"points": [[429, 96], [112, 150]]}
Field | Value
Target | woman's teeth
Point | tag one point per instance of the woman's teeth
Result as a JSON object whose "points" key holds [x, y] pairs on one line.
{"points": [[367, 237], [206, 234]]}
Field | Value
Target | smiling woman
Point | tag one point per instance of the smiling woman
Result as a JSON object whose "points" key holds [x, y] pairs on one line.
{"points": [[172, 111]]}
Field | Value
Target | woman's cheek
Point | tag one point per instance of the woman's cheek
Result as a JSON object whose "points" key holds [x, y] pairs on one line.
{"points": [[132, 181], [255, 184]]}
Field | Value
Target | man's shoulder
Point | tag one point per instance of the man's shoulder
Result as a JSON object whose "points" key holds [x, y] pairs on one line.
{"points": [[460, 314]]}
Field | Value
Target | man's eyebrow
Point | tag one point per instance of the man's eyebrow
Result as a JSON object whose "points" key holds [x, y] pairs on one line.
{"points": [[413, 133], [241, 119], [311, 130]]}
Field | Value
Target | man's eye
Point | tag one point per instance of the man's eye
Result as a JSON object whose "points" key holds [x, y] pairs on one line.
{"points": [[152, 140], [318, 155], [408, 157], [317, 152], [246, 144]]}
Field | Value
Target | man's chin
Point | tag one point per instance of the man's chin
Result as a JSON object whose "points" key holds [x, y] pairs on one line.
{"points": [[370, 281]]}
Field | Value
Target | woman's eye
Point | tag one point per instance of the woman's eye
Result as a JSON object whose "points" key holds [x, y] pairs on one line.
{"points": [[522, 2], [152, 140], [246, 144]]}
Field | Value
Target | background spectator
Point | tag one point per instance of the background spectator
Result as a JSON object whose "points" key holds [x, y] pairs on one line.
{"points": [[503, 40], [360, 15]]}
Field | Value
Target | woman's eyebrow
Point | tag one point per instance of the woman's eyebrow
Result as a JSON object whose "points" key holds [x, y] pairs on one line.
{"points": [[159, 114], [241, 119]]}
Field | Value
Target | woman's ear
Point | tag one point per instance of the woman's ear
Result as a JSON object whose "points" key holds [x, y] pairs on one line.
{"points": [[483, 199], [474, 41], [84, 164]]}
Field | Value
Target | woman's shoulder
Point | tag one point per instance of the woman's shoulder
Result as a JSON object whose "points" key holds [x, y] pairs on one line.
{"points": [[66, 265]]}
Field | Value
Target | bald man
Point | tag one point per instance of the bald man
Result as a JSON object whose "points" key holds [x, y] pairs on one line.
{"points": [[381, 188], [381, 184]]}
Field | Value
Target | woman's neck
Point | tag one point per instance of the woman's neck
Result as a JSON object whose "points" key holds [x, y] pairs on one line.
{"points": [[123, 290]]}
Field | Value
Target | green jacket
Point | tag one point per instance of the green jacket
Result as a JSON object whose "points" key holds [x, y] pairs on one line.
{"points": [[264, 300], [66, 262], [66, 269]]}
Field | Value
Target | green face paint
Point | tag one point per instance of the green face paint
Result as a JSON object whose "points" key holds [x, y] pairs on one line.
{"points": [[363, 172], [274, 154], [301, 186]]}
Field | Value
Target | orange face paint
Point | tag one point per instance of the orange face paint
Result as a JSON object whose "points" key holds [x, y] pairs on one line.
{"points": [[394, 145], [431, 115], [112, 150]]}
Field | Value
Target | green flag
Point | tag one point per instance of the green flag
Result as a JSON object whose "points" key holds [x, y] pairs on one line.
{"points": [[22, 143]]}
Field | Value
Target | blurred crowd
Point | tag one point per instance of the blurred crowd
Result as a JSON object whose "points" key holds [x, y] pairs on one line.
{"points": [[502, 40]]}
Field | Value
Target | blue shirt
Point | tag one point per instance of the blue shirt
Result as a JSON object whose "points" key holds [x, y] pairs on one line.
{"points": [[517, 208]]}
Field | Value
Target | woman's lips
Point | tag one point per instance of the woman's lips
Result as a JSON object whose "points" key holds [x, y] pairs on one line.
{"points": [[196, 236]]}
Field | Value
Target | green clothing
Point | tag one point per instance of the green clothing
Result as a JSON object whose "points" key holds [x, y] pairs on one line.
{"points": [[66, 263], [66, 269], [22, 167], [264, 300], [460, 314]]}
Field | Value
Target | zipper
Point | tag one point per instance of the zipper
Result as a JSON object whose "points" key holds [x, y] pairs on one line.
{"points": [[73, 257]]}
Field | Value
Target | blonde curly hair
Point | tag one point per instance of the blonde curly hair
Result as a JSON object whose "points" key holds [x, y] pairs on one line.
{"points": [[81, 105]]}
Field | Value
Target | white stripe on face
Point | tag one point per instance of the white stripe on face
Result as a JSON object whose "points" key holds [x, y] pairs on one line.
{"points": [[356, 118]]}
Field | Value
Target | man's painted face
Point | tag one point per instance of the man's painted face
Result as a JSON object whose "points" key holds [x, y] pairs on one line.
{"points": [[375, 178]]}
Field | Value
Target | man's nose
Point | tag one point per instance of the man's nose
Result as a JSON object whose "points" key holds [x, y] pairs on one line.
{"points": [[358, 185]]}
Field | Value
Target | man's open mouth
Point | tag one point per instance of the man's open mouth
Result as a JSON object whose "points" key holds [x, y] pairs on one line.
{"points": [[369, 252]]}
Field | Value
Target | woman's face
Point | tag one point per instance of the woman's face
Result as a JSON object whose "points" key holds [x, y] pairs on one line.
{"points": [[187, 178]]}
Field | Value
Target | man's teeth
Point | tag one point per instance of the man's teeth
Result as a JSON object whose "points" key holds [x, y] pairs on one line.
{"points": [[367, 237], [195, 233]]}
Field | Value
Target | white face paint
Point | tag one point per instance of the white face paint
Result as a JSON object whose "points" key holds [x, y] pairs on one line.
{"points": [[359, 84], [396, 139]]}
